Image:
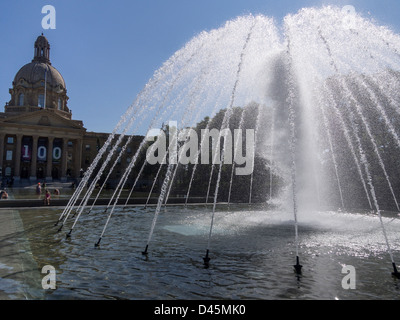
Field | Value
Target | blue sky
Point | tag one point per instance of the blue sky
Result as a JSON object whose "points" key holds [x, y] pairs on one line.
{"points": [[108, 50]]}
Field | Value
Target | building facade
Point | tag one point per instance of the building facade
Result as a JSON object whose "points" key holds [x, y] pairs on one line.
{"points": [[39, 140]]}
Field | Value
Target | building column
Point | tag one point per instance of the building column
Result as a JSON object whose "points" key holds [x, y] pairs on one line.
{"points": [[78, 158], [33, 176], [64, 160], [49, 168], [17, 169], [2, 136]]}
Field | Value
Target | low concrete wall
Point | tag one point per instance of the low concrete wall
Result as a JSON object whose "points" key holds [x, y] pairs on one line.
{"points": [[34, 203]]}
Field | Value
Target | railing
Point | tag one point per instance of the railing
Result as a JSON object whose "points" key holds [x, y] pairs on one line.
{"points": [[25, 109]]}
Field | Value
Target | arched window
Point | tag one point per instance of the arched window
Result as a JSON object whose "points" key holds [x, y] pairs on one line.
{"points": [[60, 104], [21, 99]]}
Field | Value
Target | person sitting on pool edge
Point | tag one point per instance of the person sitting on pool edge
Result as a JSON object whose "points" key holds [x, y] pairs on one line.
{"points": [[3, 194]]}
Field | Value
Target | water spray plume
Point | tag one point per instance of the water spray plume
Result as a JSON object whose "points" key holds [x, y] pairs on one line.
{"points": [[326, 125]]}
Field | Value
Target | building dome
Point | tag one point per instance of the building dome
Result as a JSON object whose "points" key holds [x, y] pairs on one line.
{"points": [[38, 84], [40, 68], [36, 72]]}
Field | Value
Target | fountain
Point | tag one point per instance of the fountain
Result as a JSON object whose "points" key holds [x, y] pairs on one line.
{"points": [[326, 100]]}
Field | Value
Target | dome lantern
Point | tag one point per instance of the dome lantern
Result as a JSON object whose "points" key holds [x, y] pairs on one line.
{"points": [[42, 50]]}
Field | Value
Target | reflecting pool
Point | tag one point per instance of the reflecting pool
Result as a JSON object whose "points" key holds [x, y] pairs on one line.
{"points": [[252, 252]]}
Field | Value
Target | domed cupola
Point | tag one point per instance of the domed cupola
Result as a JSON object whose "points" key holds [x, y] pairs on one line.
{"points": [[39, 85]]}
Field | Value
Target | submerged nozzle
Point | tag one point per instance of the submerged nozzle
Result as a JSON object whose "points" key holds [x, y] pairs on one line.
{"points": [[207, 259], [68, 234], [298, 266], [97, 244], [395, 273], [145, 253]]}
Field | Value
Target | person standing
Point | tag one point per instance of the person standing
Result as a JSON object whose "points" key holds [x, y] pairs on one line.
{"points": [[47, 197], [38, 189]]}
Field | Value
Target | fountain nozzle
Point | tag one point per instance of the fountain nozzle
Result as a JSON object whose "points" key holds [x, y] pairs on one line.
{"points": [[206, 259], [97, 244], [298, 266], [395, 273], [145, 253], [68, 234]]}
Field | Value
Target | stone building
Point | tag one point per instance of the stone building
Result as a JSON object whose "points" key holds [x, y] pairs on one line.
{"points": [[39, 140]]}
